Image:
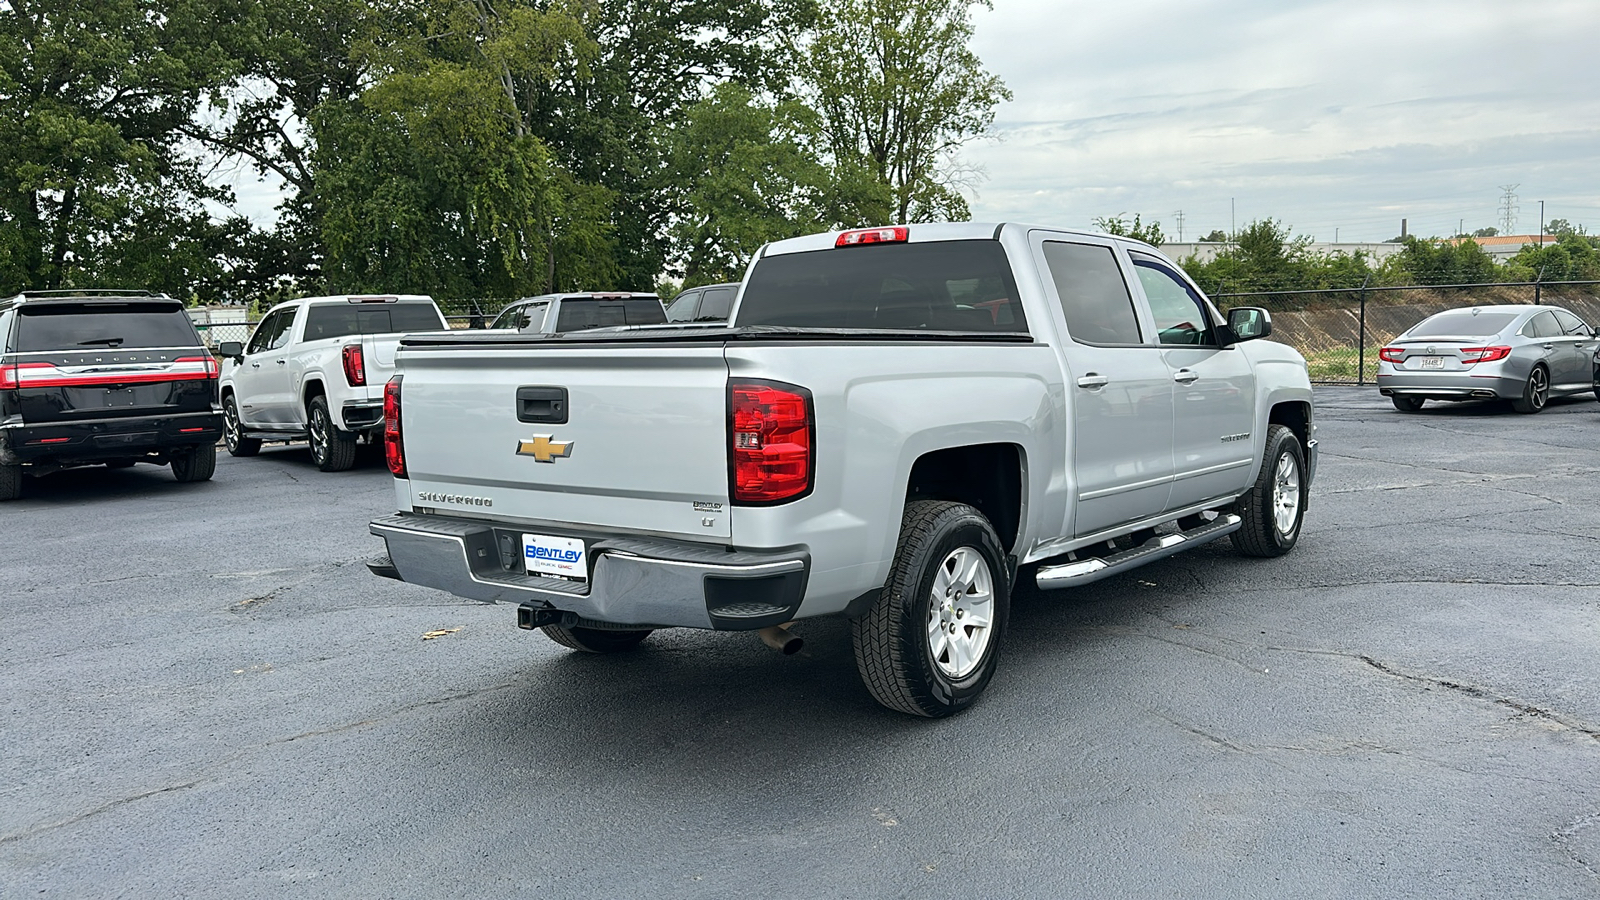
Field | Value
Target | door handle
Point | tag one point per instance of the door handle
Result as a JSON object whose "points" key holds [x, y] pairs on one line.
{"points": [[1186, 376], [1549, 346], [1093, 381], [283, 362], [255, 365]]}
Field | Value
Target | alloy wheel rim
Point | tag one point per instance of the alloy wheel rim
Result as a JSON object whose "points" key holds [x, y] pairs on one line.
{"points": [[230, 421], [1286, 494], [961, 613], [319, 434], [1538, 386]]}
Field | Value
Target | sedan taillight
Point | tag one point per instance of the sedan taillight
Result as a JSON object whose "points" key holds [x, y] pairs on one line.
{"points": [[1470, 355], [1392, 354]]}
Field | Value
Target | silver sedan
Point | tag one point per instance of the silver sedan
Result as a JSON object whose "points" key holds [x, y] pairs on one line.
{"points": [[1525, 354]]}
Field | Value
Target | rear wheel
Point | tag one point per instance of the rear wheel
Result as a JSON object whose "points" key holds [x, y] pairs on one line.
{"points": [[195, 464], [10, 482], [1535, 393], [331, 449], [594, 640], [930, 643], [1273, 507], [233, 431], [1406, 404]]}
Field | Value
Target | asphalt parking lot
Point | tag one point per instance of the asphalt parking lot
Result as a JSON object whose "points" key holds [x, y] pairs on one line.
{"points": [[207, 695]]}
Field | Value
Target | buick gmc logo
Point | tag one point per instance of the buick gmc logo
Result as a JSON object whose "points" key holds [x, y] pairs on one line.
{"points": [[454, 499]]}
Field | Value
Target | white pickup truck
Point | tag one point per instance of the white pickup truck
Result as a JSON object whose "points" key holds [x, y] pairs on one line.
{"points": [[314, 370], [898, 425]]}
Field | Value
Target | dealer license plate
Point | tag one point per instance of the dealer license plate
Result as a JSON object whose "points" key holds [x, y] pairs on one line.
{"points": [[555, 557], [1433, 362]]}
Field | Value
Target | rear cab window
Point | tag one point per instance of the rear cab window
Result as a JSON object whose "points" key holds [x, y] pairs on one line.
{"points": [[581, 314], [335, 320], [939, 286], [73, 326]]}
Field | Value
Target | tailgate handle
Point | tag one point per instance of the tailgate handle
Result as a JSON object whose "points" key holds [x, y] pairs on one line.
{"points": [[543, 405]]}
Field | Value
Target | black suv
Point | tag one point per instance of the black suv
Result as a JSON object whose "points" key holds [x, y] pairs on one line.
{"points": [[103, 377]]}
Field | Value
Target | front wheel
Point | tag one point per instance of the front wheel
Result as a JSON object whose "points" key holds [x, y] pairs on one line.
{"points": [[1273, 507], [930, 643], [1406, 404], [195, 464], [594, 640], [331, 449], [1535, 393]]}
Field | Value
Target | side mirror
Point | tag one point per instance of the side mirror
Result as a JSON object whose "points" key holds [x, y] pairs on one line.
{"points": [[1248, 323], [233, 349]]}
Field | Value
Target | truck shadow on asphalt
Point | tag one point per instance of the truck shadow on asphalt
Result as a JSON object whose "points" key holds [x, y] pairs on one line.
{"points": [[96, 483], [694, 708]]}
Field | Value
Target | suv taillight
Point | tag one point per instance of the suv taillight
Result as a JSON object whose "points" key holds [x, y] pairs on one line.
{"points": [[771, 434], [1392, 354], [1470, 355], [355, 367], [394, 449]]}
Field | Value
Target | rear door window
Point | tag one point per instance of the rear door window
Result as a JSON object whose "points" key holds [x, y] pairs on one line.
{"points": [[957, 286], [1571, 324], [715, 305], [1542, 325], [66, 326], [1094, 296]]}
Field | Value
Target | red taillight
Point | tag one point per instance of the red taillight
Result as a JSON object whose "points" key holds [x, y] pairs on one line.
{"points": [[1392, 354], [355, 367], [897, 234], [394, 449], [1470, 355], [771, 439]]}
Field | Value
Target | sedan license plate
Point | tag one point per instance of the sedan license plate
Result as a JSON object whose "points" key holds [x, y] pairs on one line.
{"points": [[555, 557], [1433, 362]]}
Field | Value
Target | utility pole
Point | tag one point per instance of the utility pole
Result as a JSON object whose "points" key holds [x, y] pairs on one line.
{"points": [[1336, 234], [1233, 221], [1508, 208], [1461, 228], [1179, 216], [1541, 223]]}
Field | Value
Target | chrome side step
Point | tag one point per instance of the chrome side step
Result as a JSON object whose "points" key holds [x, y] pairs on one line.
{"points": [[1086, 571]]}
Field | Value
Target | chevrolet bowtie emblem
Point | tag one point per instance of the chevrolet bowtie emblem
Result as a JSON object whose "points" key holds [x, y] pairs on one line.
{"points": [[543, 449]]}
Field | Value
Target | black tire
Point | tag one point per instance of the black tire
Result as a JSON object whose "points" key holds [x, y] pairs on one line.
{"points": [[331, 449], [1259, 534], [1536, 393], [892, 648], [120, 464], [233, 431], [195, 464], [10, 482], [594, 640], [1405, 403]]}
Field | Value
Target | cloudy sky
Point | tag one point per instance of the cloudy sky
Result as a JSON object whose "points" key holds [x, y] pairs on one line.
{"points": [[1336, 117], [1324, 114]]}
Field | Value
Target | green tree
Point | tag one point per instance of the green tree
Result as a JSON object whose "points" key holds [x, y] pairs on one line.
{"points": [[900, 91], [1268, 257], [1429, 261], [1150, 234], [1571, 257], [96, 185], [1217, 236]]}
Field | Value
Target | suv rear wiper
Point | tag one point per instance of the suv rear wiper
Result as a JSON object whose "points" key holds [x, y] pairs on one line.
{"points": [[110, 341]]}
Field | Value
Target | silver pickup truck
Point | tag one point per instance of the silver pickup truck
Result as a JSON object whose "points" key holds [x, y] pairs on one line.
{"points": [[899, 425]]}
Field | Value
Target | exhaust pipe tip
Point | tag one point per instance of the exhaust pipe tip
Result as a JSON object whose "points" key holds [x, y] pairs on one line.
{"points": [[781, 639]]}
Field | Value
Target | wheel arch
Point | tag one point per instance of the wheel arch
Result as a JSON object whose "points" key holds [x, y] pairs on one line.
{"points": [[988, 477]]}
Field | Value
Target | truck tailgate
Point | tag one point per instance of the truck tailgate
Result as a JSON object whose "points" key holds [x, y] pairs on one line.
{"points": [[642, 446]]}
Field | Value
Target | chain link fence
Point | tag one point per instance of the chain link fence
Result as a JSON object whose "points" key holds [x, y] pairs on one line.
{"points": [[1341, 331]]}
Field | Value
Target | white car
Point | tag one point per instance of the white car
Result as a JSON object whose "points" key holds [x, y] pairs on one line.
{"points": [[314, 370]]}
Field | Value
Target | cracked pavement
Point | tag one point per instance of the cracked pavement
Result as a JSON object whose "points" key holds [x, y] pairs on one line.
{"points": [[207, 695]]}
